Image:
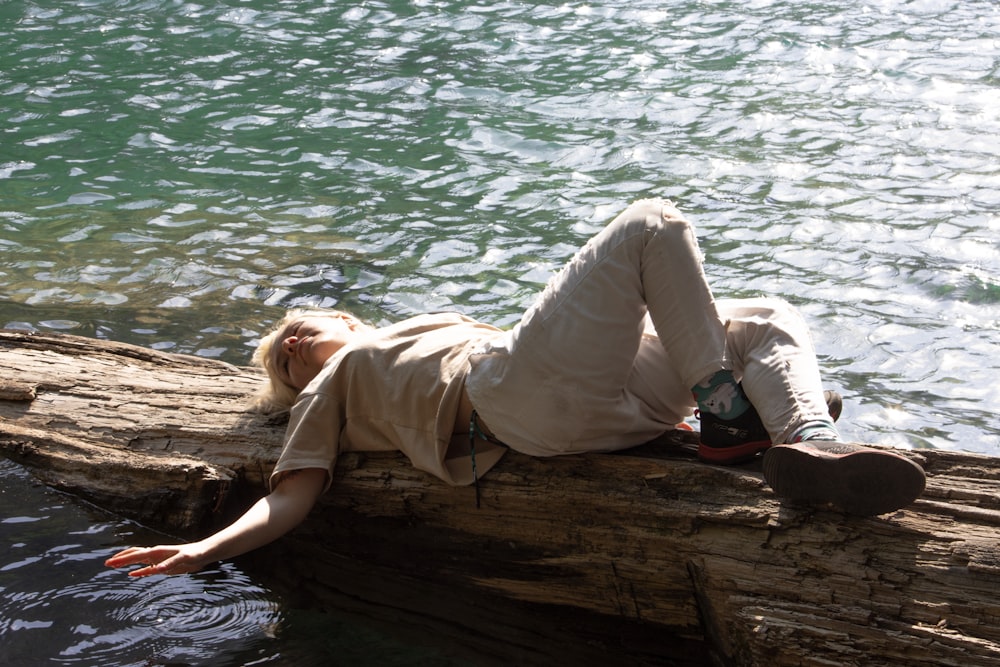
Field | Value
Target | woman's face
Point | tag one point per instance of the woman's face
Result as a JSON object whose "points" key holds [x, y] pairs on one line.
{"points": [[303, 345]]}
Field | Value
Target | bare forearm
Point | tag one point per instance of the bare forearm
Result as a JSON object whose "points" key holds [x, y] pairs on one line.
{"points": [[268, 519]]}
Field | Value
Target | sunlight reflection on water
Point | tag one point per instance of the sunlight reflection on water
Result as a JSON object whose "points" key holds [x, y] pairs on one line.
{"points": [[239, 160], [177, 174]]}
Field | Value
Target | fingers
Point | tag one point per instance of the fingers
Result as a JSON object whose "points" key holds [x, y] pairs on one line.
{"points": [[146, 571], [157, 560], [129, 556]]}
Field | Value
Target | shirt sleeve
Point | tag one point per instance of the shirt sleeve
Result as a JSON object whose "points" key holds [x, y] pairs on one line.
{"points": [[312, 439]]}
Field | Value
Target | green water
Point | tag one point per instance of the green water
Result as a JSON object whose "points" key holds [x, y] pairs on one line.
{"points": [[176, 174]]}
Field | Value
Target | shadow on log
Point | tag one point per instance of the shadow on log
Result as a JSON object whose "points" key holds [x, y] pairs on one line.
{"points": [[644, 557]]}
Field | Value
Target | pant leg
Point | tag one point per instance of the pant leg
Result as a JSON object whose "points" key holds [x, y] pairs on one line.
{"points": [[560, 381], [770, 347]]}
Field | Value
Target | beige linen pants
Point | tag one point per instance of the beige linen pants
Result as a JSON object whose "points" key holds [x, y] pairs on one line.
{"points": [[606, 357]]}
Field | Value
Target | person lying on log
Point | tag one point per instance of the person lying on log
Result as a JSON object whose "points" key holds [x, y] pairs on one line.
{"points": [[623, 344]]}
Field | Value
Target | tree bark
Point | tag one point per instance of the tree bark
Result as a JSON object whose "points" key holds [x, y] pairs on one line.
{"points": [[647, 556]]}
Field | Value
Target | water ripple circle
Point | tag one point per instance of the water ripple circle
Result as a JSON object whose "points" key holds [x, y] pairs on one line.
{"points": [[169, 620]]}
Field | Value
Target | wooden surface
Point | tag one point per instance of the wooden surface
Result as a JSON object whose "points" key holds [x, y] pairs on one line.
{"points": [[647, 557]]}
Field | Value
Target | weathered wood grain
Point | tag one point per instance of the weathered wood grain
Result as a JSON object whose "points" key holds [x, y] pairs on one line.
{"points": [[648, 556]]}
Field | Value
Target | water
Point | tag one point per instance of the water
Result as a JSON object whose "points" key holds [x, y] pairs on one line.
{"points": [[92, 616], [175, 174], [58, 606]]}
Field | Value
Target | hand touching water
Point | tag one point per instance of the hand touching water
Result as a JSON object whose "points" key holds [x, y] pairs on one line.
{"points": [[268, 519], [164, 559]]}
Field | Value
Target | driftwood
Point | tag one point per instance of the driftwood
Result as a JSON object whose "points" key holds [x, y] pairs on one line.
{"points": [[643, 557]]}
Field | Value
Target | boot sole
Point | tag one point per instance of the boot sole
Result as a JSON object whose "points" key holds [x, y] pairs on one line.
{"points": [[733, 455], [866, 482]]}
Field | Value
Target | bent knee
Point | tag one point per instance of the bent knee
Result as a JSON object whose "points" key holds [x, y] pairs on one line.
{"points": [[758, 313], [765, 307], [655, 214]]}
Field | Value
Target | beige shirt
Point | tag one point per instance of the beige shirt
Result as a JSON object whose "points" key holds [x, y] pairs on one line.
{"points": [[398, 388]]}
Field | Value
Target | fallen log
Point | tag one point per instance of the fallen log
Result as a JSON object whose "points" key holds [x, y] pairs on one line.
{"points": [[647, 556]]}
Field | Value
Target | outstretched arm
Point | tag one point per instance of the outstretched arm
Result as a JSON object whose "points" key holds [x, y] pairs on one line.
{"points": [[268, 519]]}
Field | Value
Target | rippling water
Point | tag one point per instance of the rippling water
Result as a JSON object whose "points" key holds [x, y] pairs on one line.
{"points": [[58, 606], [175, 174]]}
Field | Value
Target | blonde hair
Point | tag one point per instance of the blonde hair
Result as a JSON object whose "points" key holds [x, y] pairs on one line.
{"points": [[275, 395]]}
